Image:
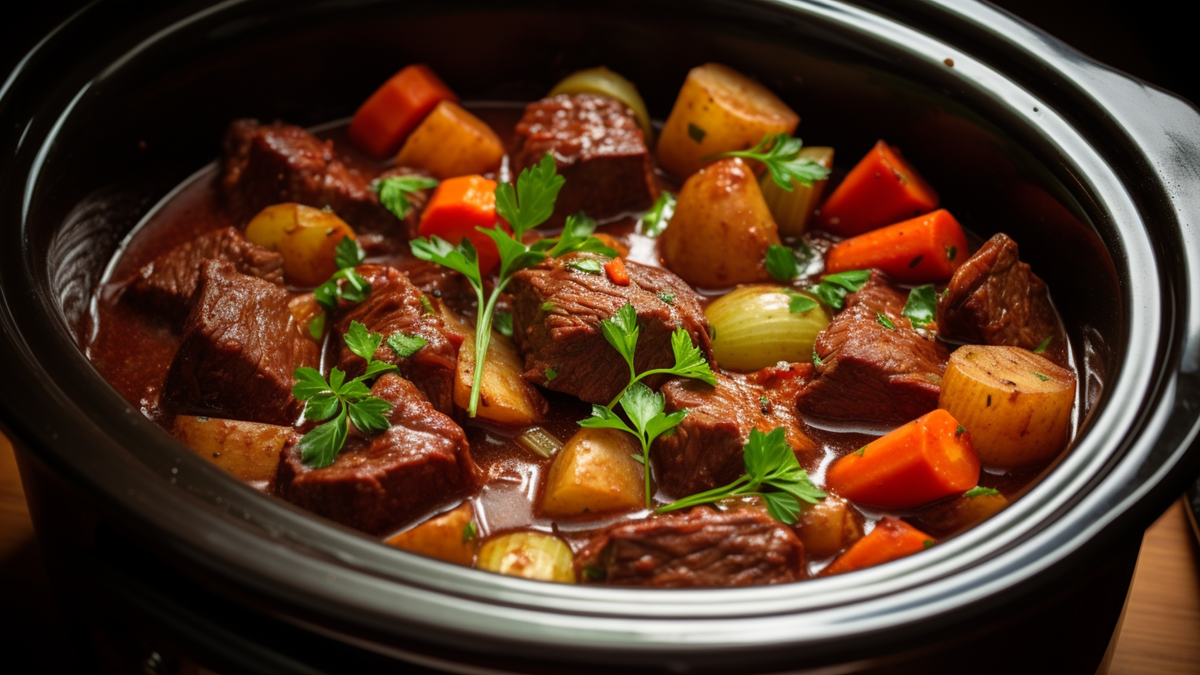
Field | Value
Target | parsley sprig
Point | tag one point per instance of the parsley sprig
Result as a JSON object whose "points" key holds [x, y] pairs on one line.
{"points": [[355, 289], [780, 153], [921, 306], [341, 400], [646, 412], [394, 192], [655, 220], [772, 473], [622, 332], [834, 288], [527, 205]]}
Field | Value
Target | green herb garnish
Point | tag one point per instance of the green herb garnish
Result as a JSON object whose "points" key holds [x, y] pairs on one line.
{"points": [[951, 252], [1040, 376], [342, 400], [1041, 348], [470, 531], [980, 492], [347, 256], [799, 304], [783, 160], [529, 204], [621, 331], [502, 322], [405, 345], [551, 373], [668, 298], [655, 221], [884, 321], [586, 265], [772, 473], [394, 192], [817, 359], [921, 307], [548, 306], [696, 133], [834, 288], [645, 410], [781, 263]]}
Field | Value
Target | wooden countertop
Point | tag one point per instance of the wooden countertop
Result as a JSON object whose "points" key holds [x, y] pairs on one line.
{"points": [[1159, 633]]}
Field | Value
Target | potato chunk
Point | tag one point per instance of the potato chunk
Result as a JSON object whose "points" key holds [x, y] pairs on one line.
{"points": [[946, 518], [829, 527], [721, 229], [595, 472], [452, 536], [719, 109], [307, 238], [532, 555], [452, 142], [504, 396], [1015, 404], [248, 451]]}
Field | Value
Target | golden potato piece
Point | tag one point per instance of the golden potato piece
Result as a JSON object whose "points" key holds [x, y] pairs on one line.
{"points": [[504, 396], [595, 472], [721, 229], [829, 527], [452, 536], [532, 555], [946, 518], [307, 238], [452, 142], [719, 109], [248, 451], [1015, 404], [793, 210]]}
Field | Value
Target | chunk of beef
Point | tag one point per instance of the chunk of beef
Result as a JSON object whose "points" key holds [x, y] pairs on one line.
{"points": [[702, 548], [167, 283], [394, 306], [270, 164], [599, 149], [240, 345], [996, 299], [705, 452], [381, 483], [872, 373], [557, 310]]}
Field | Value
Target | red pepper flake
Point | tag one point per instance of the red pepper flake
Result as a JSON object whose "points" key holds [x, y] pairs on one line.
{"points": [[616, 271]]}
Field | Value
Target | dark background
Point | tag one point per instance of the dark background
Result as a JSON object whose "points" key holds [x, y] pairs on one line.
{"points": [[1147, 38]]}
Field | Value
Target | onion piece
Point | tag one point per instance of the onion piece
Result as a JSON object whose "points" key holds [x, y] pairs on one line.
{"points": [[753, 327], [604, 82], [793, 210], [540, 442]]}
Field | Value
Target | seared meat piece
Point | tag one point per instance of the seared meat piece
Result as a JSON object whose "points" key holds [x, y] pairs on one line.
{"points": [[557, 311], [394, 306], [240, 345], [872, 373], [275, 163], [705, 452], [381, 483], [166, 284], [701, 548], [996, 299], [599, 149]]}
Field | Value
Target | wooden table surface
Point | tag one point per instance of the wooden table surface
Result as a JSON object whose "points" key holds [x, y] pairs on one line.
{"points": [[1159, 633]]}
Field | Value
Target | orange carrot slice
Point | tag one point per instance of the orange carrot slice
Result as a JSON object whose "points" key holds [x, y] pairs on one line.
{"points": [[457, 207], [616, 271], [925, 249], [891, 539], [924, 460], [383, 121], [883, 188]]}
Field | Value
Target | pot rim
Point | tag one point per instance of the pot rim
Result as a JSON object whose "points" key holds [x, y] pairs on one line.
{"points": [[1122, 471]]}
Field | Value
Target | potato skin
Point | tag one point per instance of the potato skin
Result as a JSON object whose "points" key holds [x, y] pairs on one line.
{"points": [[1015, 404], [733, 111], [721, 229], [444, 537], [248, 451], [452, 142], [504, 396], [595, 472], [307, 238], [829, 527]]}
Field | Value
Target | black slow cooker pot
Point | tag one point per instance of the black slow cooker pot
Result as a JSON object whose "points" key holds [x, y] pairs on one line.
{"points": [[153, 549]]}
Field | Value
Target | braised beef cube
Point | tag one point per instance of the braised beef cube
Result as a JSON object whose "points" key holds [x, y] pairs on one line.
{"points": [[381, 483], [276, 163], [599, 149], [700, 549], [557, 310], [705, 452], [996, 299], [166, 284], [870, 372], [394, 306], [240, 345]]}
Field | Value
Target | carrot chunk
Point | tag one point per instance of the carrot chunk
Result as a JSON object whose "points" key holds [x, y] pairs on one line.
{"points": [[457, 207], [925, 249], [616, 271], [383, 121], [924, 460], [891, 539], [883, 188]]}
